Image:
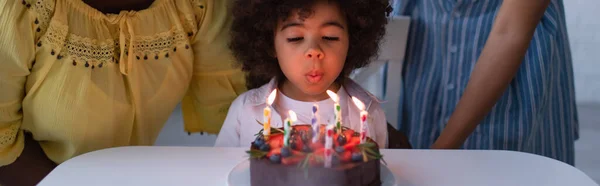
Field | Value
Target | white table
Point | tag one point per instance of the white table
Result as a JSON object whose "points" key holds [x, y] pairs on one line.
{"points": [[145, 166]]}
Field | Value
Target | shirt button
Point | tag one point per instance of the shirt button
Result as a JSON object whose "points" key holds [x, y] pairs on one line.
{"points": [[453, 49], [450, 87]]}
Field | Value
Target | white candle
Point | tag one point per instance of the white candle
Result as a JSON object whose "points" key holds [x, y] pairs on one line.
{"points": [[267, 115], [315, 123], [363, 119], [328, 145], [287, 127], [337, 110]]}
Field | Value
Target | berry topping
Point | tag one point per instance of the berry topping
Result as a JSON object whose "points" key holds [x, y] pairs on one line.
{"points": [[339, 149], [259, 142], [275, 141], [286, 152], [293, 145], [306, 148], [265, 147], [357, 156], [341, 139], [304, 137], [346, 156], [275, 158], [300, 146]]}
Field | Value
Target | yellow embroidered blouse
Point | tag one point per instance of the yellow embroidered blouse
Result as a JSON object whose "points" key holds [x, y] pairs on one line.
{"points": [[80, 80]]}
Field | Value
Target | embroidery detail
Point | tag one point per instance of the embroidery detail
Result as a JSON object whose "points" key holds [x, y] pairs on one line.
{"points": [[63, 43], [44, 10], [55, 36], [8, 136], [159, 44], [92, 50], [95, 52]]}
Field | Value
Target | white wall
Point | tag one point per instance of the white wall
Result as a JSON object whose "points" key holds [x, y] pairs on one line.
{"points": [[583, 24]]}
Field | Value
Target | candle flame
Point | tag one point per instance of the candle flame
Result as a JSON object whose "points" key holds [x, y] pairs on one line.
{"points": [[333, 96], [358, 103], [271, 97], [293, 116]]}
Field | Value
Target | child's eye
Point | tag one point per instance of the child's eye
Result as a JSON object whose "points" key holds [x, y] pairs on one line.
{"points": [[294, 39], [331, 38]]}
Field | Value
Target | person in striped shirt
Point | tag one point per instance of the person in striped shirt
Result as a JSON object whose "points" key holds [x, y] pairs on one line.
{"points": [[489, 74]]}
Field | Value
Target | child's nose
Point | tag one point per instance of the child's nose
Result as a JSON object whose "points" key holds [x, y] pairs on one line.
{"points": [[314, 54]]}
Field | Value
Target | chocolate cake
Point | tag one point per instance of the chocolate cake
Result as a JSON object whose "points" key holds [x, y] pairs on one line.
{"points": [[302, 163]]}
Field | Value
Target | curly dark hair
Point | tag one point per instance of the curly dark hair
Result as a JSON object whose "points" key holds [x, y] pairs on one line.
{"points": [[254, 22]]}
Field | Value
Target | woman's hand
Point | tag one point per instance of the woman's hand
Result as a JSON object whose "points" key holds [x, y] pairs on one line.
{"points": [[29, 169]]}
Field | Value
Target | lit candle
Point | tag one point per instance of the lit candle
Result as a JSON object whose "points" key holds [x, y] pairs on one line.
{"points": [[328, 145], [337, 109], [287, 128], [363, 119], [267, 115], [315, 123]]}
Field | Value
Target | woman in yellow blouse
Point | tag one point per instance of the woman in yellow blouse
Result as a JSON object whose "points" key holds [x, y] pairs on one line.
{"points": [[81, 76]]}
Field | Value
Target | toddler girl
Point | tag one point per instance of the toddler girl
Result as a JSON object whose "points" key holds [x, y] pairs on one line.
{"points": [[302, 49]]}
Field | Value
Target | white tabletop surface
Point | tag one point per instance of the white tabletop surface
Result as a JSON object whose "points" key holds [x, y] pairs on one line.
{"points": [[210, 166]]}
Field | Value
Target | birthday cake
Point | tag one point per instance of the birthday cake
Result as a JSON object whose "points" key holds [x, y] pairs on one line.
{"points": [[293, 155]]}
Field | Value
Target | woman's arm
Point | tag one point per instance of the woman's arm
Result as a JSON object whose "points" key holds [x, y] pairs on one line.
{"points": [[216, 79], [501, 57], [22, 161]]}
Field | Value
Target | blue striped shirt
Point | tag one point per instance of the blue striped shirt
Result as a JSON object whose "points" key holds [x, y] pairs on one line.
{"points": [[536, 113]]}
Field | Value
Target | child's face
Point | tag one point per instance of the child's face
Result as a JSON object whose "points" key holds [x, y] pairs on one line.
{"points": [[312, 52]]}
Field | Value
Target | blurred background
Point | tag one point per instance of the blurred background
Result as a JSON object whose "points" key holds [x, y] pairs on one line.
{"points": [[584, 35]]}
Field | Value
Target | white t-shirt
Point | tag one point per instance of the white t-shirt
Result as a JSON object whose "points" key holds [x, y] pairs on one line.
{"points": [[303, 109]]}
